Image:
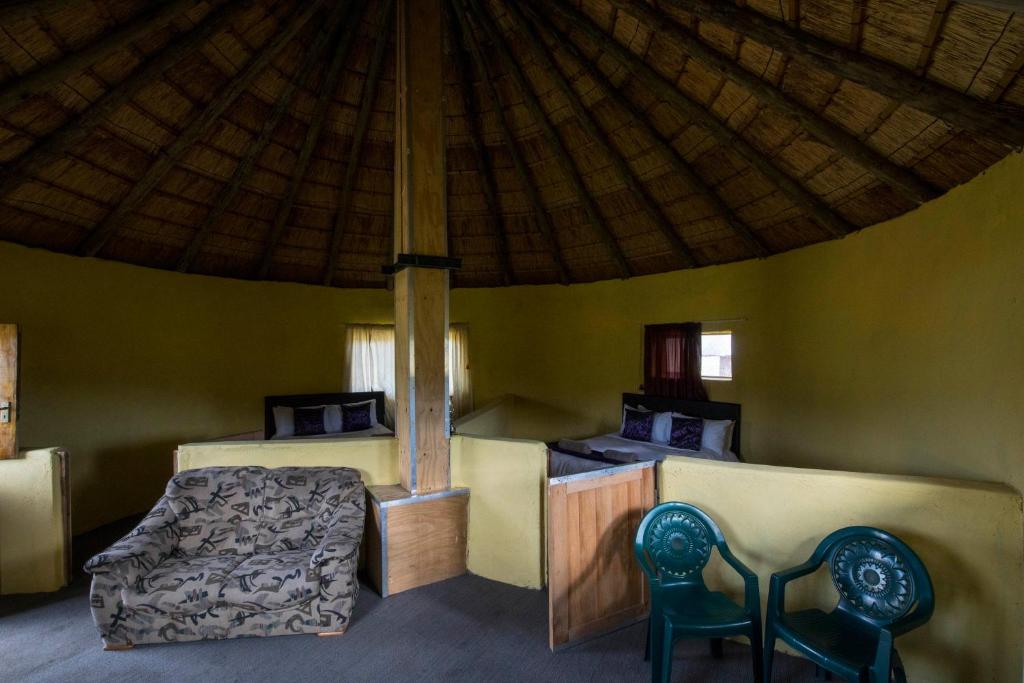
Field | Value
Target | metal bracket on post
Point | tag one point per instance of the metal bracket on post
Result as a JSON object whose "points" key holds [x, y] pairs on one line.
{"points": [[423, 261], [5, 412]]}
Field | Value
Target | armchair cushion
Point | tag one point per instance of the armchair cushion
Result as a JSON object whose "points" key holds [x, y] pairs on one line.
{"points": [[272, 581], [301, 503], [218, 509], [182, 585]]}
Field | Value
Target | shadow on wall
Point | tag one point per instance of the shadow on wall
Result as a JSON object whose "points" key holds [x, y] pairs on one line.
{"points": [[516, 417]]}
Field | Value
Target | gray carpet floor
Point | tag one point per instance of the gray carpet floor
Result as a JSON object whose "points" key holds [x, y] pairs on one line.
{"points": [[463, 629]]}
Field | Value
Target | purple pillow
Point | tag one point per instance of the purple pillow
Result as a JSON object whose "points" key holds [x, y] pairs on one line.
{"points": [[356, 417], [637, 425], [686, 433], [309, 421]]}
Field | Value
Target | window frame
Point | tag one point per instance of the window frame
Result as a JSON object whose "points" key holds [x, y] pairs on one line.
{"points": [[717, 378]]}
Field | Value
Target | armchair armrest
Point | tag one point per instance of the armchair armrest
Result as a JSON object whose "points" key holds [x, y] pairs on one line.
{"points": [[344, 533], [751, 590], [777, 588], [131, 558]]}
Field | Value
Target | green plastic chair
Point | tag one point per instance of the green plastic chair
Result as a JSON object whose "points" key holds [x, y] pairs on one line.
{"points": [[884, 591], [673, 545]]}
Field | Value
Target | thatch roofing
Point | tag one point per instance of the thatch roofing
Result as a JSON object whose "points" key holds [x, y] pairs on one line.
{"points": [[586, 140]]}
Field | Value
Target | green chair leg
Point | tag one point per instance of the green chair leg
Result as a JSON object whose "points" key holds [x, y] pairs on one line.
{"points": [[756, 651], [769, 654], [666, 656]]}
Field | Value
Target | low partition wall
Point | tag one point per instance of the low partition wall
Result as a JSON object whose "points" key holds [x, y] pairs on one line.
{"points": [[376, 458], [968, 534], [34, 522], [506, 479]]}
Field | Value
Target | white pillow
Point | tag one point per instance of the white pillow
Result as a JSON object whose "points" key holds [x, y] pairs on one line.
{"points": [[716, 435], [284, 422], [332, 419], [373, 411], [661, 433]]}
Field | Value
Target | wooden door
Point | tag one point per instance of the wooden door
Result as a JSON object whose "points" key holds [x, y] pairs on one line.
{"points": [[595, 584], [8, 391]]}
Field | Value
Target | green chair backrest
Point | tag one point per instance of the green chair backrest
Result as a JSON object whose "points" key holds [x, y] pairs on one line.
{"points": [[674, 542], [878, 577]]}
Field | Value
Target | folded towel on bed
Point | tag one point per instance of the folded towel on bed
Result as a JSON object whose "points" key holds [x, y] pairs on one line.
{"points": [[620, 456], [571, 446]]}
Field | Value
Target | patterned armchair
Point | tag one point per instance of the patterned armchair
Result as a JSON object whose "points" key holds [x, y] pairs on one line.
{"points": [[235, 551]]}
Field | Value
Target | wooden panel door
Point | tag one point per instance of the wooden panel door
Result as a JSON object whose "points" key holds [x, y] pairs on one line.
{"points": [[595, 584], [8, 391]]}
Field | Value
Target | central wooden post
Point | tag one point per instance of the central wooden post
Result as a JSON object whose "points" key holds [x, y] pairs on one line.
{"points": [[421, 294]]}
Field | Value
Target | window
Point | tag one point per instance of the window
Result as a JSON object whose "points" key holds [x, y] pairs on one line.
{"points": [[716, 355], [370, 364]]}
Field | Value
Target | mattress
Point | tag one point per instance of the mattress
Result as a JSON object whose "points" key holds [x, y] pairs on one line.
{"points": [[375, 430], [562, 464]]}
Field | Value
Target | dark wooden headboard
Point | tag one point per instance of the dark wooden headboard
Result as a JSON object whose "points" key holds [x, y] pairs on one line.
{"points": [[302, 400], [708, 410]]}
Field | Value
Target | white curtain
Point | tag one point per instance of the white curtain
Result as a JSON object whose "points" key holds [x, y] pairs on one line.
{"points": [[460, 384], [370, 364]]}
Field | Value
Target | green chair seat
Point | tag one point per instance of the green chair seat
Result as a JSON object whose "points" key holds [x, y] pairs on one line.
{"points": [[843, 639], [697, 610]]}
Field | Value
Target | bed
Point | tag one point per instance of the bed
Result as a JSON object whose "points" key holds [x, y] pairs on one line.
{"points": [[563, 462], [378, 428]]}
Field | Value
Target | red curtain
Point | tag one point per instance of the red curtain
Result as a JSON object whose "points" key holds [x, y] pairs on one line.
{"points": [[672, 361]]}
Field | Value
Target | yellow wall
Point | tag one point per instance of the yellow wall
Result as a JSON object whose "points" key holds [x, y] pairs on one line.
{"points": [[376, 458], [32, 548], [968, 534], [897, 349], [506, 480], [120, 364]]}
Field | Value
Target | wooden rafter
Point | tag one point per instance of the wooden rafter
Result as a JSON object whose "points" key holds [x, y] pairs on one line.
{"points": [[53, 146], [247, 163], [48, 76], [553, 139], [466, 43], [600, 138], [328, 89], [930, 40], [193, 132], [344, 213], [695, 111], [480, 153], [680, 166], [998, 122], [883, 168]]}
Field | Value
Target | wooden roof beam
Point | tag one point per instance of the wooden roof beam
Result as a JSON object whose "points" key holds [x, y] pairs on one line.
{"points": [[695, 111], [600, 138], [193, 132], [328, 90], [51, 74], [344, 213], [476, 141], [247, 163], [680, 166], [52, 147], [995, 121], [844, 142], [483, 20], [466, 41]]}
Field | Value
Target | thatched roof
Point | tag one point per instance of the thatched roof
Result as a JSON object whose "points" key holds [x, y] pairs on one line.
{"points": [[586, 140]]}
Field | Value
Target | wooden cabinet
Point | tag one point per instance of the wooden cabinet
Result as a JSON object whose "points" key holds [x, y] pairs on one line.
{"points": [[413, 541]]}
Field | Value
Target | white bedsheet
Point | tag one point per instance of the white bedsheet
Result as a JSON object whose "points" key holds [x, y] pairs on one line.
{"points": [[562, 464], [375, 430]]}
